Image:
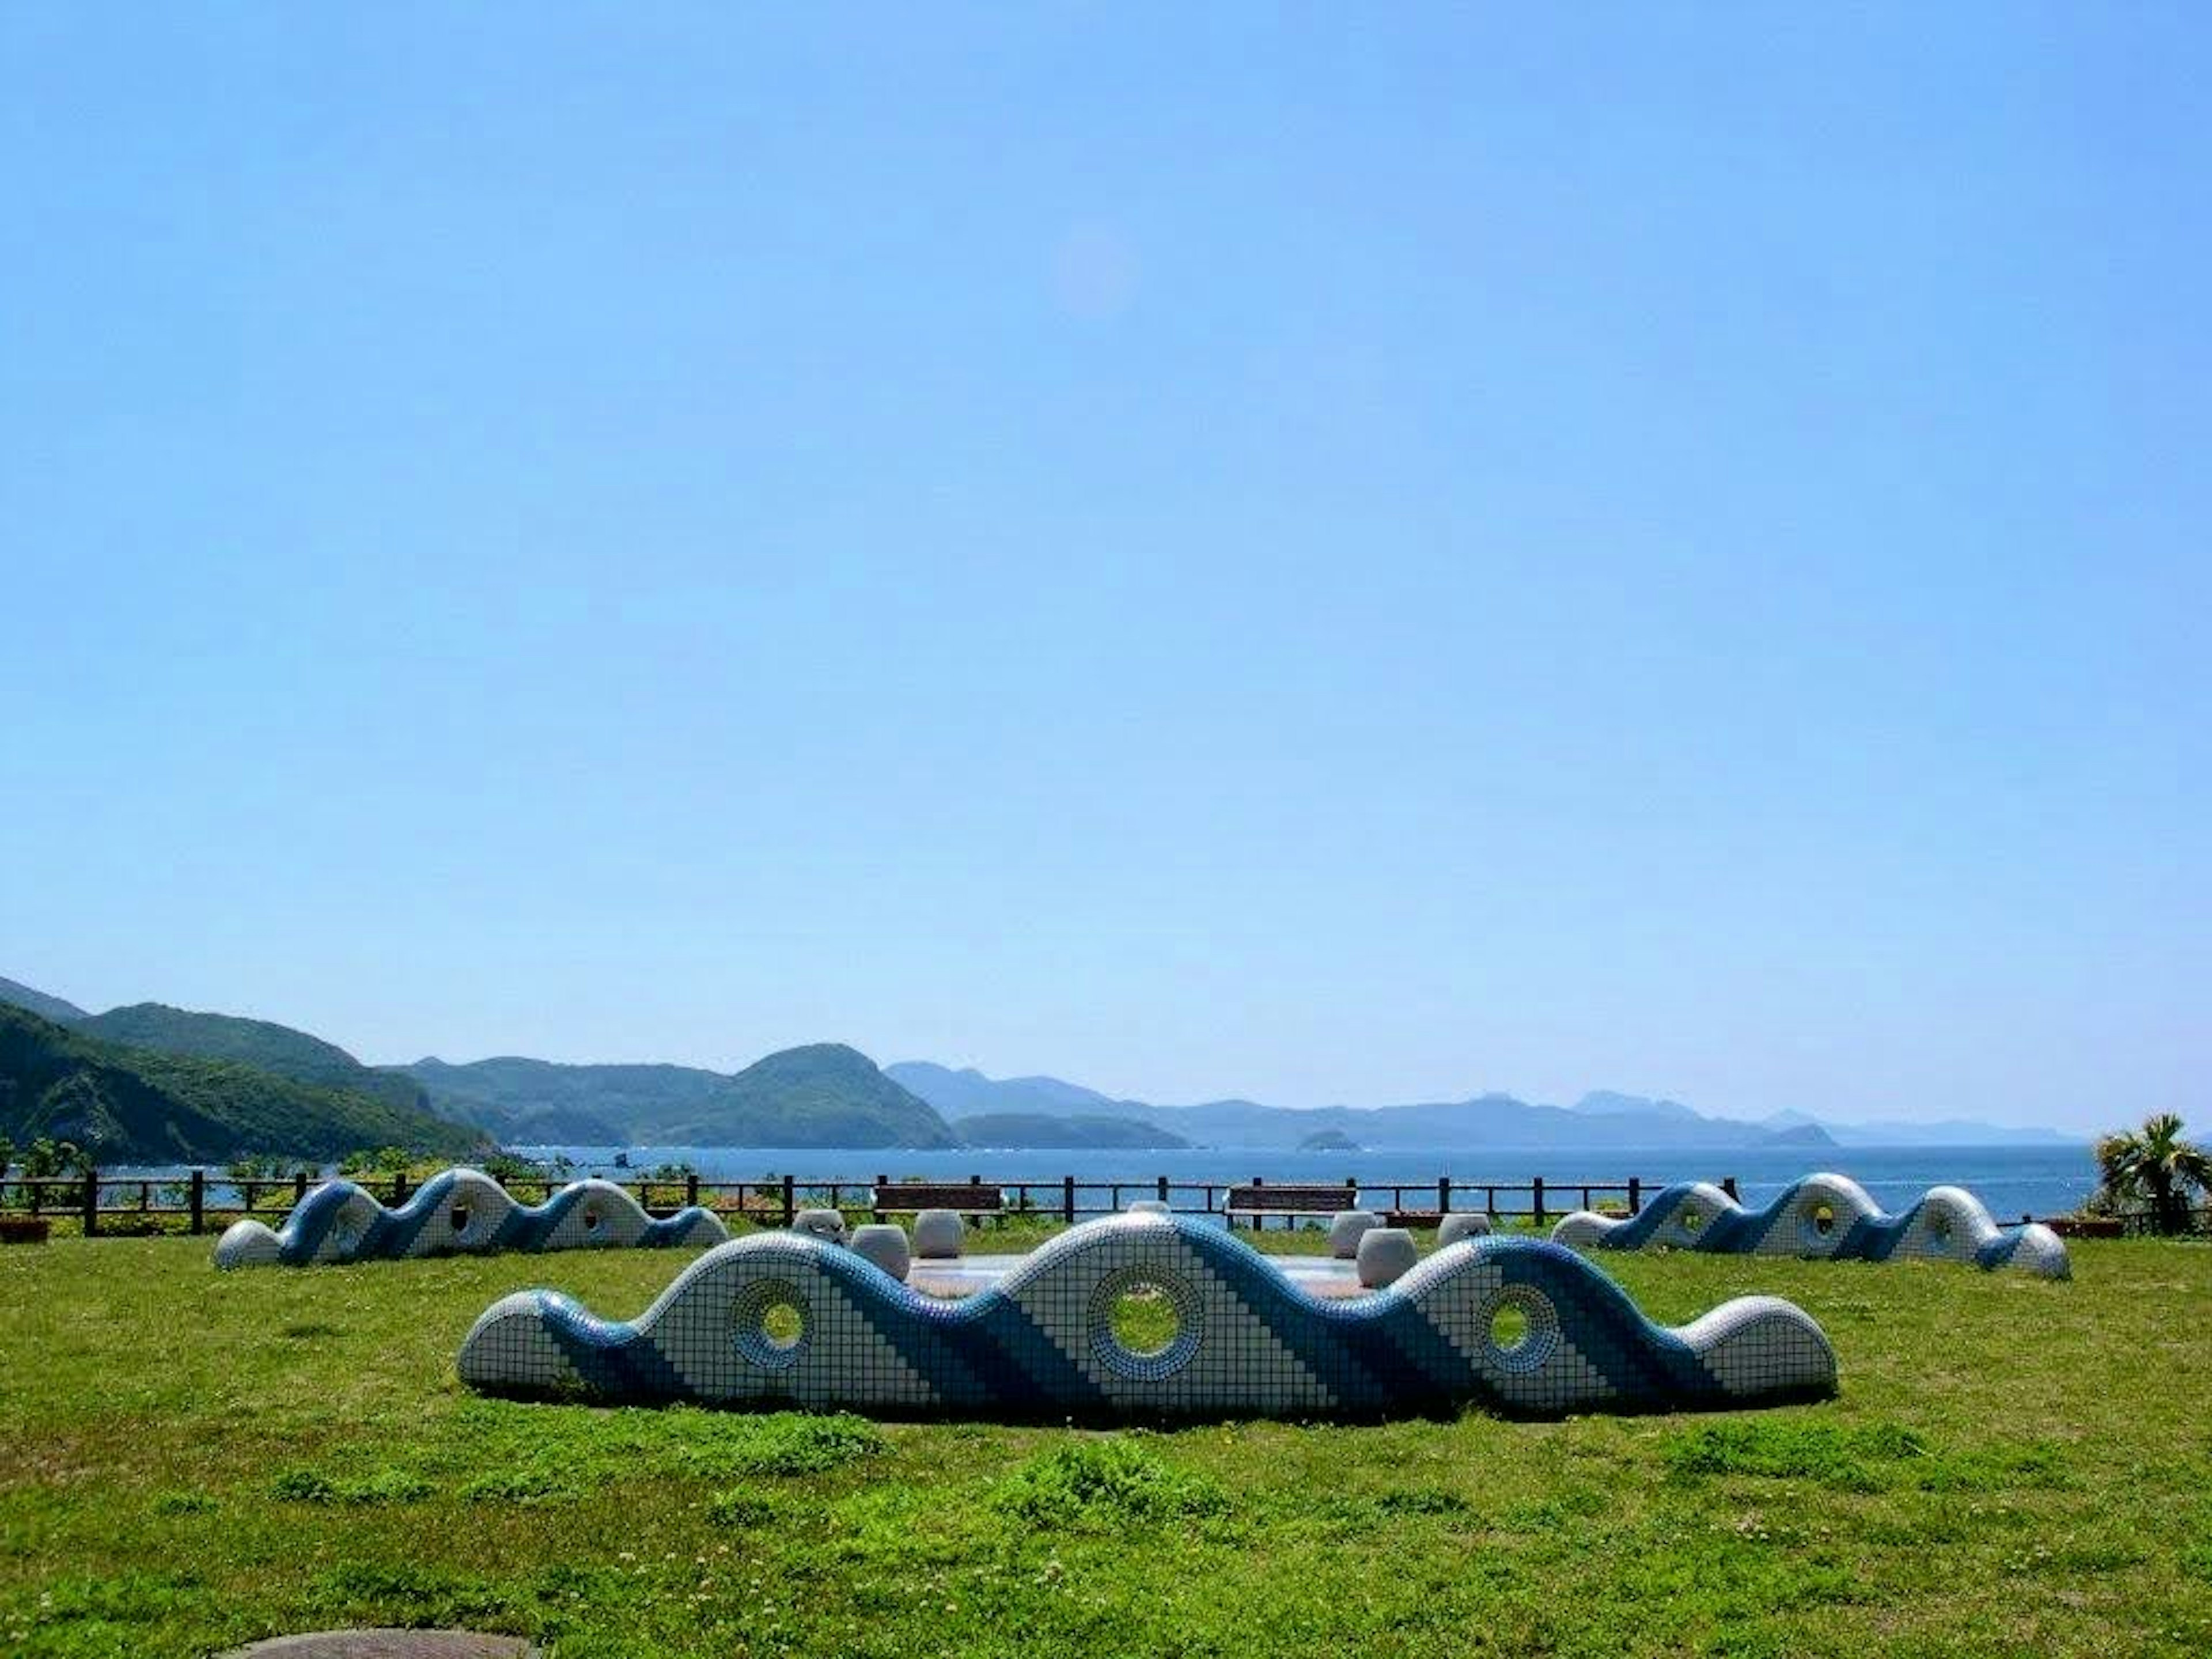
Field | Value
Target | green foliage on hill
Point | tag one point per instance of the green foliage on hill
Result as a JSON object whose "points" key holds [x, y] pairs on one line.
{"points": [[256, 1042], [135, 1105], [1043, 1130], [500, 1093], [823, 1094]]}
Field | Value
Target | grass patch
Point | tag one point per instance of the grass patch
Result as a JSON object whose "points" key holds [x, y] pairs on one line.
{"points": [[1862, 1458], [383, 1485], [1106, 1483], [2012, 1467], [1847, 1458]]}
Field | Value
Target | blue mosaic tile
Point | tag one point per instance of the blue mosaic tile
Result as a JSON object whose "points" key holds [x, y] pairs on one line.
{"points": [[1825, 1218], [786, 1318], [458, 1211]]}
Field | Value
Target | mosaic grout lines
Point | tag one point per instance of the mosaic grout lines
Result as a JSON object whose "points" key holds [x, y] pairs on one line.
{"points": [[1249, 1341], [457, 1211], [1825, 1218]]}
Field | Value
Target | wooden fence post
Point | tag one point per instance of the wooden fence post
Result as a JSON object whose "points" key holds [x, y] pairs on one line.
{"points": [[1444, 1194], [1164, 1189], [1636, 1196], [1068, 1200], [299, 1186], [199, 1202], [1536, 1199], [790, 1201], [91, 1200], [691, 1190]]}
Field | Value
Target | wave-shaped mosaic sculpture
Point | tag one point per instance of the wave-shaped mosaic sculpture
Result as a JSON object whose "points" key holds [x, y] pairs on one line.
{"points": [[1518, 1325], [1827, 1217], [457, 1211]]}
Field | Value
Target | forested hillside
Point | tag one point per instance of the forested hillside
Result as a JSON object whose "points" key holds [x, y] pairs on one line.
{"points": [[139, 1106]]}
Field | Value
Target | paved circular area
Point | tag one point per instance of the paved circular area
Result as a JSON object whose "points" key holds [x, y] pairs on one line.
{"points": [[388, 1644]]}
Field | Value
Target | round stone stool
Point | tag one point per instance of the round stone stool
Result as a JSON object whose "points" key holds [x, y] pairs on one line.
{"points": [[1461, 1224], [1384, 1255], [822, 1223], [938, 1234], [884, 1245], [1343, 1232]]}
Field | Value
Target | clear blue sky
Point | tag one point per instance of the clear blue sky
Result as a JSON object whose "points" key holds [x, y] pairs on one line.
{"points": [[1348, 555]]}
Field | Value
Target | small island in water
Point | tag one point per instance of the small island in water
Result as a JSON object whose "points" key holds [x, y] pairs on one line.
{"points": [[1328, 1141]]}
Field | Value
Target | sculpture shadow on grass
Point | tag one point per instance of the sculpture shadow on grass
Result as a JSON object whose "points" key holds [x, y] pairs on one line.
{"points": [[456, 1212], [1515, 1326]]}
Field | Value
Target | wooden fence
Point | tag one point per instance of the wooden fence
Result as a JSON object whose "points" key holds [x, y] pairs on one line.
{"points": [[130, 1204]]}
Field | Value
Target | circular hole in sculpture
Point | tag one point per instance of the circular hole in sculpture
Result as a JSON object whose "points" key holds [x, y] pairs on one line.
{"points": [[782, 1324], [1692, 1218], [460, 1218], [1144, 1320], [1939, 1225], [769, 1323], [1823, 1219], [591, 1218], [1523, 1328]]}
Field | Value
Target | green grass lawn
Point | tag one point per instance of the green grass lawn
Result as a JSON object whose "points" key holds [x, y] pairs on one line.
{"points": [[189, 1460]]}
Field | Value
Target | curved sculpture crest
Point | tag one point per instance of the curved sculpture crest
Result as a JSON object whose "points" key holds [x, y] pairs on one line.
{"points": [[779, 1318], [457, 1211], [1824, 1216]]}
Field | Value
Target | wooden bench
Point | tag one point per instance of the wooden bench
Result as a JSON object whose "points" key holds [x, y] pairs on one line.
{"points": [[1257, 1202], [2088, 1226], [970, 1197], [1412, 1217]]}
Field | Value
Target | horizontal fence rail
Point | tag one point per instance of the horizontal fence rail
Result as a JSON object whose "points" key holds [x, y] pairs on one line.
{"points": [[128, 1204]]}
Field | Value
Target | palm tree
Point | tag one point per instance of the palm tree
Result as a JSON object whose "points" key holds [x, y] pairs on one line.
{"points": [[2154, 1164]]}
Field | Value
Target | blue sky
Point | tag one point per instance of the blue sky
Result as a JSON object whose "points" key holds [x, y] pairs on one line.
{"points": [[1331, 555]]}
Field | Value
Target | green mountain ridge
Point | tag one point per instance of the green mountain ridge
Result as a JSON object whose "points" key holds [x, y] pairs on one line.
{"points": [[258, 1042], [57, 1009], [139, 1106], [823, 1093], [231, 1081]]}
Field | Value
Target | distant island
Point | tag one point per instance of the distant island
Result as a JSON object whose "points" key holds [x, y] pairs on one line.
{"points": [[1602, 1120], [148, 1082]]}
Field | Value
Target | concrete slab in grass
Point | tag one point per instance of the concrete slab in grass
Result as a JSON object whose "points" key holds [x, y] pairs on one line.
{"points": [[388, 1644]]}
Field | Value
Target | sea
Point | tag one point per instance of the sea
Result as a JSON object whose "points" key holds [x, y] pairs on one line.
{"points": [[2013, 1180]]}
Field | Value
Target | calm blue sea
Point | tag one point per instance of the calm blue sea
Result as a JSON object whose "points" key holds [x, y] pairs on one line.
{"points": [[2013, 1180]]}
